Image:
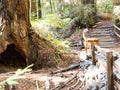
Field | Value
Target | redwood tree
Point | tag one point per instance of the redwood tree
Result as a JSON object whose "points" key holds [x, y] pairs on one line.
{"points": [[15, 31], [19, 44]]}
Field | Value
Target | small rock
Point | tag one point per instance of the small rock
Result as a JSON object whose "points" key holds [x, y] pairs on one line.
{"points": [[92, 86]]}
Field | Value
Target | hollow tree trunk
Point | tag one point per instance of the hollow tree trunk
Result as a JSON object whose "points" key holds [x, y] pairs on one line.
{"points": [[15, 26], [18, 42]]}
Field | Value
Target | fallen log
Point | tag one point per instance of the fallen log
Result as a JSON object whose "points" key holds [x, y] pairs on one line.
{"points": [[117, 85], [62, 85], [66, 69], [72, 87]]}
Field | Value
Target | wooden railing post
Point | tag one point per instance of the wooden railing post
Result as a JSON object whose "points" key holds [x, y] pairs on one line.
{"points": [[93, 53], [110, 70]]}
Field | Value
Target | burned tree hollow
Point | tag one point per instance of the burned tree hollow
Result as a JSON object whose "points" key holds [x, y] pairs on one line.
{"points": [[12, 57]]}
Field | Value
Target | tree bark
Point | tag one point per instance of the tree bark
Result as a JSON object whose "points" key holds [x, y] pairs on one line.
{"points": [[15, 27], [19, 43], [15, 24], [39, 8], [92, 15]]}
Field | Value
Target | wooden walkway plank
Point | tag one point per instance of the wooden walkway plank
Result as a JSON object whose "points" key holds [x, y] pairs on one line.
{"points": [[104, 34]]}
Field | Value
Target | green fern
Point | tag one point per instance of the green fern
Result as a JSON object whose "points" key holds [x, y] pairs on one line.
{"points": [[13, 79]]}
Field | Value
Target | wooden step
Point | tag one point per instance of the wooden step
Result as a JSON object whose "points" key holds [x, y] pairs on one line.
{"points": [[105, 27], [101, 31], [107, 43], [100, 35], [107, 37], [107, 46], [106, 40]]}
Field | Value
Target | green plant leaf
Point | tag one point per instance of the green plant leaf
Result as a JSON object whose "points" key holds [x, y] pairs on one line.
{"points": [[12, 82]]}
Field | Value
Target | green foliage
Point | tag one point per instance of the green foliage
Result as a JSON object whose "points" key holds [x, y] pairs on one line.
{"points": [[86, 14], [116, 15], [13, 79], [33, 16], [61, 45], [55, 20], [106, 6], [116, 12]]}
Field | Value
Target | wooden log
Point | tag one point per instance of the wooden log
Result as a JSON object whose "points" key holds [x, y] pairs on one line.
{"points": [[93, 54], [101, 50], [66, 69], [117, 65], [109, 56], [117, 85], [116, 28], [60, 86], [74, 85]]}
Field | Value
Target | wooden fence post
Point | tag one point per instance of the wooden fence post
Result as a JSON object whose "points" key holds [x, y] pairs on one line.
{"points": [[110, 70], [93, 53]]}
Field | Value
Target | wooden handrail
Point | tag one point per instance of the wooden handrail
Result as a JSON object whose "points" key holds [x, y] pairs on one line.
{"points": [[109, 56], [116, 27], [102, 50], [110, 64], [117, 84], [115, 30]]}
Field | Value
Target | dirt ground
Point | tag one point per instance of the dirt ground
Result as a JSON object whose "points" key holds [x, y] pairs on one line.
{"points": [[42, 79]]}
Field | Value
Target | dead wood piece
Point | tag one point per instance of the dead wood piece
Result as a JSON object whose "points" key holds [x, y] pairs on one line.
{"points": [[66, 69], [116, 65], [82, 83], [117, 85], [72, 87], [65, 83], [47, 84]]}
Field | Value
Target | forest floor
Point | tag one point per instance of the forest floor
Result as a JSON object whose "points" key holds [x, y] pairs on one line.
{"points": [[44, 80]]}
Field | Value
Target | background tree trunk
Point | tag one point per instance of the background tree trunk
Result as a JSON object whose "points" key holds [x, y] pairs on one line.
{"points": [[39, 8]]}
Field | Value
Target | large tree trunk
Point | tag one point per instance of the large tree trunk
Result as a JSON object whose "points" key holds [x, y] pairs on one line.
{"points": [[14, 30], [19, 45], [14, 25]]}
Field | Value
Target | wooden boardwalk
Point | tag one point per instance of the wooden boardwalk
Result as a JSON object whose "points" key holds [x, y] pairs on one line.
{"points": [[106, 36]]}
